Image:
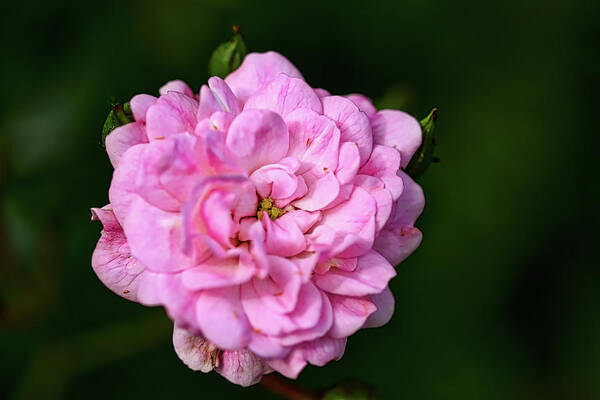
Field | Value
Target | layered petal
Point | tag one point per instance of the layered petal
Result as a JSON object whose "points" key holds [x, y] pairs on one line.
{"points": [[122, 138], [217, 96], [257, 70], [172, 113], [399, 130]]}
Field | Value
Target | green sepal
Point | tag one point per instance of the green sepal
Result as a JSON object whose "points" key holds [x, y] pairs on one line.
{"points": [[228, 56], [424, 154], [120, 114]]}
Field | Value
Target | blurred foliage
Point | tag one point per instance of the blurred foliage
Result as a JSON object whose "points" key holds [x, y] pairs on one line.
{"points": [[500, 301]]}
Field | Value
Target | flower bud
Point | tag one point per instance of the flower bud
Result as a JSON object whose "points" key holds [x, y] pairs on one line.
{"points": [[424, 154], [120, 114], [228, 56]]}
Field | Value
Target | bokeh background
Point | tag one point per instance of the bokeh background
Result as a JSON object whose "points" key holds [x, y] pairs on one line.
{"points": [[502, 300]]}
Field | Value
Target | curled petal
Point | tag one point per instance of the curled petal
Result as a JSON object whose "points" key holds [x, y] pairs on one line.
{"points": [[195, 351], [139, 106], [363, 103], [354, 124], [384, 164], [122, 138], [321, 192], [371, 276], [176, 86], [384, 302], [283, 236], [217, 96], [399, 130], [241, 367], [349, 314], [257, 70], [217, 272], [112, 260], [173, 113], [257, 138]]}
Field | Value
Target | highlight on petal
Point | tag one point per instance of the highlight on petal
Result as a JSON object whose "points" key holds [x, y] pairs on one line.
{"points": [[176, 86], [217, 96], [257, 70], [399, 130]]}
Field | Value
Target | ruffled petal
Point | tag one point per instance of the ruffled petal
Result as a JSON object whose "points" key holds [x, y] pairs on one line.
{"points": [[172, 113], [257, 70], [371, 276], [354, 124]]}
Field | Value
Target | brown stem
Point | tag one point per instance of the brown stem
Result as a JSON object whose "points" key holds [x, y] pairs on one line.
{"points": [[285, 388]]}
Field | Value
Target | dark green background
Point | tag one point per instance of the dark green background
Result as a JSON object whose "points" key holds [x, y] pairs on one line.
{"points": [[502, 299]]}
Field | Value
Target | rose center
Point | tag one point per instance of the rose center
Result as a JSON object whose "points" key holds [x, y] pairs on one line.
{"points": [[266, 206]]}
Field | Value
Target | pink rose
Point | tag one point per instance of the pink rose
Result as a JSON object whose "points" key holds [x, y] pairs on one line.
{"points": [[264, 215]]}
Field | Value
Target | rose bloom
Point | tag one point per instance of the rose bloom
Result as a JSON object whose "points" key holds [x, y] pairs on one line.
{"points": [[264, 215]]}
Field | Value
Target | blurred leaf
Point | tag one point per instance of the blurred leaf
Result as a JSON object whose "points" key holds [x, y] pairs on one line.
{"points": [[424, 154], [228, 56], [349, 391]]}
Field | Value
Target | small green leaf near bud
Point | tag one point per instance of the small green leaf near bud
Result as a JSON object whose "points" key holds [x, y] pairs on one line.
{"points": [[120, 114], [424, 154], [228, 56]]}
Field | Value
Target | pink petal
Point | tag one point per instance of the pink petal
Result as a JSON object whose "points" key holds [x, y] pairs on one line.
{"points": [[363, 103], [279, 291], [321, 192], [195, 351], [122, 138], [410, 205], [399, 130], [222, 319], [348, 163], [241, 367], [384, 302], [283, 95], [139, 106], [314, 139], [267, 348], [322, 92], [352, 225], [217, 96], [398, 242], [172, 113], [371, 276], [257, 70], [216, 272], [112, 260], [176, 86], [384, 164], [257, 138], [382, 196], [318, 352], [283, 236], [275, 181], [349, 314], [354, 124]]}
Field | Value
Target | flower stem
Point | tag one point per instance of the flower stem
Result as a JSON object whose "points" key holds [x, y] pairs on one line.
{"points": [[285, 388]]}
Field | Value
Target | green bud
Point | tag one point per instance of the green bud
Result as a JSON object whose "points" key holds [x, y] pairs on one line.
{"points": [[228, 56], [120, 114], [424, 154], [349, 391]]}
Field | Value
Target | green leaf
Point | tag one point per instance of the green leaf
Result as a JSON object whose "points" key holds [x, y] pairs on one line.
{"points": [[424, 154], [228, 56], [120, 114]]}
